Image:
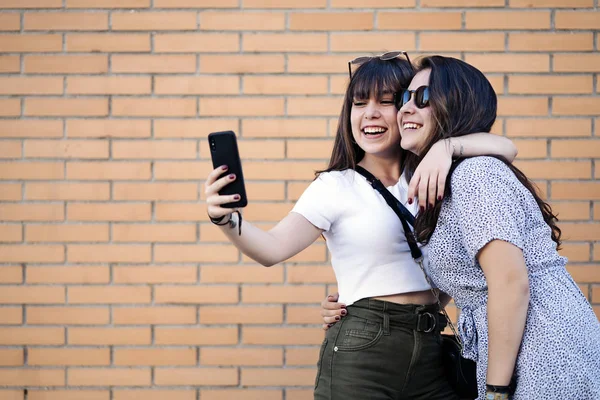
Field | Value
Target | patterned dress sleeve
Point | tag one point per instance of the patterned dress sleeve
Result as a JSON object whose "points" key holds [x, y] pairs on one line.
{"points": [[488, 204]]}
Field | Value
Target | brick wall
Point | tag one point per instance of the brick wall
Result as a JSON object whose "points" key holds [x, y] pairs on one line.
{"points": [[114, 286]]}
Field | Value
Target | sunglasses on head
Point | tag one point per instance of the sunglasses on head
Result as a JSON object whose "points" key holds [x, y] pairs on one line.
{"points": [[390, 55], [421, 97]]}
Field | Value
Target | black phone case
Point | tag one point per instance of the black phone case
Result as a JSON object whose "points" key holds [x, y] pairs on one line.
{"points": [[224, 151]]}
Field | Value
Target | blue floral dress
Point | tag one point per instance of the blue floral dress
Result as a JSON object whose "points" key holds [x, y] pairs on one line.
{"points": [[560, 351]]}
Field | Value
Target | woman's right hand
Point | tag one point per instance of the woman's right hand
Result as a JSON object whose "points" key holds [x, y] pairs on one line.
{"points": [[214, 201], [332, 311]]}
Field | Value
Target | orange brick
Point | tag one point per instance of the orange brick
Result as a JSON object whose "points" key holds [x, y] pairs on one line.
{"points": [[244, 106], [261, 149], [595, 294], [551, 3], [109, 294], [69, 394], [154, 233], [420, 21], [31, 336], [108, 212], [191, 128], [149, 356], [11, 358], [10, 22], [65, 149], [195, 336], [548, 127], [10, 107], [66, 64], [29, 43], [109, 377], [11, 274], [31, 170], [550, 41], [283, 4], [196, 376], [108, 253], [509, 62], [114, 170], [576, 62], [109, 336], [197, 42], [575, 148], [273, 377], [289, 127], [597, 212], [309, 149], [66, 233], [267, 84], [461, 42], [303, 315], [571, 211], [265, 191], [67, 316], [188, 85], [283, 294], [108, 42], [67, 191], [197, 4], [576, 252], [575, 190], [584, 273], [310, 274], [10, 191], [31, 4], [154, 315], [108, 4], [238, 64], [283, 42], [71, 21], [462, 3], [57, 107], [108, 85], [241, 315], [180, 212], [240, 274], [31, 212], [146, 107], [575, 105], [195, 294], [68, 357], [32, 377], [580, 231], [555, 169], [276, 170], [10, 316], [152, 21], [366, 42], [153, 63], [11, 149], [246, 393], [155, 274], [195, 253], [68, 274], [328, 21], [282, 336], [319, 106], [154, 394], [550, 84], [31, 128], [241, 356], [30, 85], [10, 64], [154, 149], [302, 356], [108, 128], [242, 21], [487, 20], [521, 106], [577, 20]]}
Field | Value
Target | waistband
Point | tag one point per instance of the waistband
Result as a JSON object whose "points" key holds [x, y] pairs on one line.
{"points": [[421, 318]]}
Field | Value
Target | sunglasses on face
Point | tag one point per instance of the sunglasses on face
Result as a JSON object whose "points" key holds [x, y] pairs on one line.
{"points": [[390, 55], [421, 97]]}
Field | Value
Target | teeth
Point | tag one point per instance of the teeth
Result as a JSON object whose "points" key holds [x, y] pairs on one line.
{"points": [[374, 130], [410, 125]]}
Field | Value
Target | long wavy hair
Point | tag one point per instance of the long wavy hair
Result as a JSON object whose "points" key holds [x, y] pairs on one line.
{"points": [[463, 101], [374, 78]]}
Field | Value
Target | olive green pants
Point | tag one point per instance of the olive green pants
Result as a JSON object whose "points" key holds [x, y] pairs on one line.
{"points": [[383, 350]]}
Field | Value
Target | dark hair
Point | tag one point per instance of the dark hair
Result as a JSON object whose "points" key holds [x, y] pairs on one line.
{"points": [[463, 101], [373, 78]]}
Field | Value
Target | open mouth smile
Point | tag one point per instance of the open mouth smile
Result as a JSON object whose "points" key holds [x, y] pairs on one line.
{"points": [[374, 130], [410, 125]]}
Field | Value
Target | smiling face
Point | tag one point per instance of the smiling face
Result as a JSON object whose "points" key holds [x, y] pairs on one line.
{"points": [[374, 125], [416, 124]]}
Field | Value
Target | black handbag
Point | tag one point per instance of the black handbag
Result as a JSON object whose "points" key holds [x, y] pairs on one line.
{"points": [[460, 372]]}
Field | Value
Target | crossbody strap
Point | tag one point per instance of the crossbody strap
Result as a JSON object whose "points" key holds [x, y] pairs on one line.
{"points": [[406, 217]]}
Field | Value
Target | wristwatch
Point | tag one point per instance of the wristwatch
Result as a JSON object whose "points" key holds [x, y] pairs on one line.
{"points": [[496, 396]]}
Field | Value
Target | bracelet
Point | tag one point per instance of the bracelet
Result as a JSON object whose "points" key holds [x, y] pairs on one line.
{"points": [[231, 222], [497, 389], [496, 396]]}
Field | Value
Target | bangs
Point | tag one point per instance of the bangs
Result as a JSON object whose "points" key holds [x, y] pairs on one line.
{"points": [[377, 78]]}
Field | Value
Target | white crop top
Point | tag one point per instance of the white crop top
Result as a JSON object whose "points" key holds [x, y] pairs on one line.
{"points": [[369, 252]]}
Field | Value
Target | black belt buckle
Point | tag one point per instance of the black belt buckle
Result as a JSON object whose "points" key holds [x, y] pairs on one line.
{"points": [[426, 322]]}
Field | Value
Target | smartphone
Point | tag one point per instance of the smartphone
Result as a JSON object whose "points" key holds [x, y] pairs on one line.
{"points": [[224, 151]]}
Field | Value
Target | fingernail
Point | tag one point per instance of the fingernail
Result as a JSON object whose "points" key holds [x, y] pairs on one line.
{"points": [[439, 197], [231, 176], [344, 312], [236, 196], [343, 306], [337, 318], [330, 325], [421, 208], [409, 201], [224, 167]]}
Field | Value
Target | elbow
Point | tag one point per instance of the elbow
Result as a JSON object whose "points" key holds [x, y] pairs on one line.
{"points": [[512, 151]]}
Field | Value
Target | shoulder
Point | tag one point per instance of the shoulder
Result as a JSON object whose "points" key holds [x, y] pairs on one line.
{"points": [[481, 171], [336, 179]]}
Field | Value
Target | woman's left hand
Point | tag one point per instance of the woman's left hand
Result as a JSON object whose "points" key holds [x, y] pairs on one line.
{"points": [[429, 179]]}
